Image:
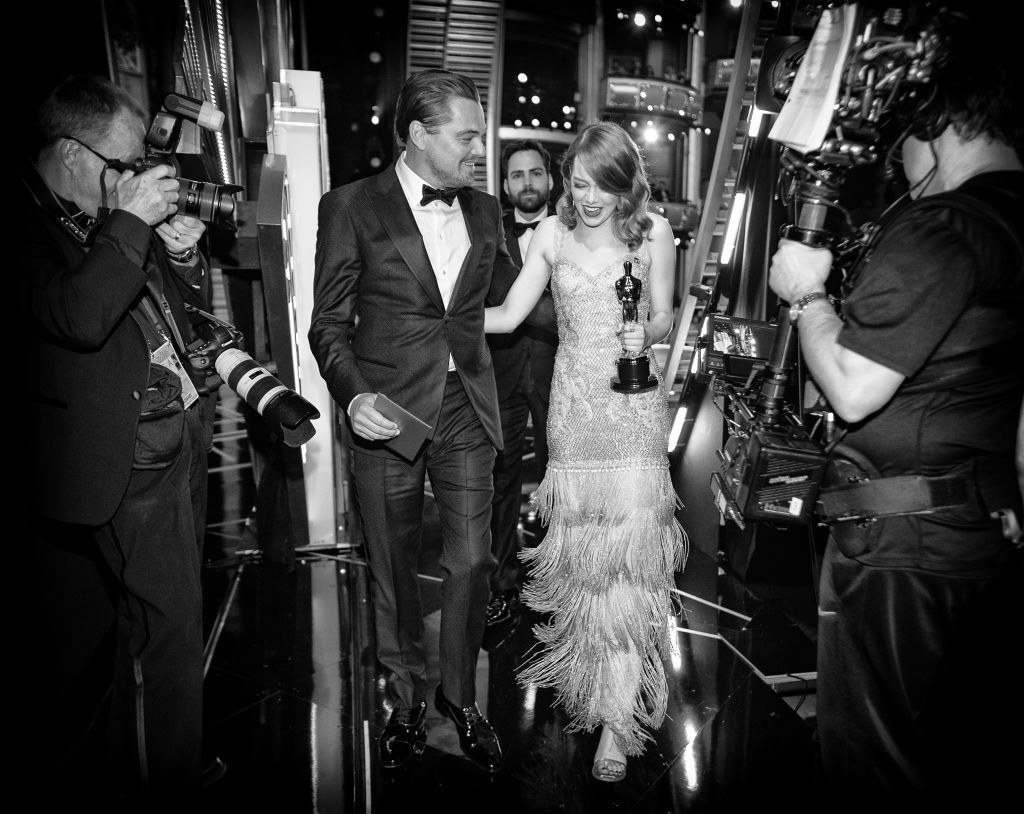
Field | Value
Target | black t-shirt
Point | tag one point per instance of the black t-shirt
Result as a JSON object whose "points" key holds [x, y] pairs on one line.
{"points": [[941, 300]]}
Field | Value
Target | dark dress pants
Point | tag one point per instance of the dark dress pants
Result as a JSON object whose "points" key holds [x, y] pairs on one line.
{"points": [[506, 507], [918, 701], [65, 613], [390, 495], [541, 367], [155, 727]]}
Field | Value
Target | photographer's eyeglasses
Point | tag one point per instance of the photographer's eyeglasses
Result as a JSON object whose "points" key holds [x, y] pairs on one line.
{"points": [[112, 163], [108, 163]]}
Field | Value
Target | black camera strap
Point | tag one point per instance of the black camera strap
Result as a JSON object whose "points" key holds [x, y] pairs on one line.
{"points": [[207, 315], [162, 324], [191, 309]]}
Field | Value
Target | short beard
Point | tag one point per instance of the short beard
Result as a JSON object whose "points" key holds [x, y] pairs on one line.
{"points": [[444, 178], [542, 202]]}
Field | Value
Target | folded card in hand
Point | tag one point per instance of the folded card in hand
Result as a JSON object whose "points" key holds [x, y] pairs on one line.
{"points": [[412, 431]]}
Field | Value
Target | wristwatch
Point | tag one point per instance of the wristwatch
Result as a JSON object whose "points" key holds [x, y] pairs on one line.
{"points": [[186, 256], [803, 302]]}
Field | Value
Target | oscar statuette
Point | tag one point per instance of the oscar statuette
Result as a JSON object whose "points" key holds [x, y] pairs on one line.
{"points": [[634, 368]]}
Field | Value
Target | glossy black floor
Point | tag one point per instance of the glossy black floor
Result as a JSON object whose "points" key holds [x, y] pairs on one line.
{"points": [[293, 699]]}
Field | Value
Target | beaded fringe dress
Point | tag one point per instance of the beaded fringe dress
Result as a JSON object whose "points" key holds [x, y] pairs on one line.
{"points": [[604, 571]]}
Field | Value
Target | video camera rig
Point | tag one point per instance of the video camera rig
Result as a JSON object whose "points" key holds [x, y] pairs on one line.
{"points": [[885, 91], [771, 465]]}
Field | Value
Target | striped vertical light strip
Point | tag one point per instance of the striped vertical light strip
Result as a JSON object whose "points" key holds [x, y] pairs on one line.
{"points": [[220, 59], [190, 52]]}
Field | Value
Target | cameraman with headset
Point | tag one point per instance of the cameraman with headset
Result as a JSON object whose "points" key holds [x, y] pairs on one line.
{"points": [[112, 470], [918, 698]]}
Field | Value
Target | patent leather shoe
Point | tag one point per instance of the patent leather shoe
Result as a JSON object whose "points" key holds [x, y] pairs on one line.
{"points": [[503, 606], [477, 737], [404, 736], [497, 636], [214, 771]]}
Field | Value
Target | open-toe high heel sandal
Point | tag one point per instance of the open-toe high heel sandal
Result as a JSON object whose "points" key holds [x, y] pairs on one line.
{"points": [[609, 761]]}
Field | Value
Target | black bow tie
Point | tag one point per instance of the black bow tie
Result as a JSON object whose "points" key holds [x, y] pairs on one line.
{"points": [[518, 228], [430, 194]]}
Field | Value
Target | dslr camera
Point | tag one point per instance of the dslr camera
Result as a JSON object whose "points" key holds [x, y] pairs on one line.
{"points": [[211, 203], [219, 346]]}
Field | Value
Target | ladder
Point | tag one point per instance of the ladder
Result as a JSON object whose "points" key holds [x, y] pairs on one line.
{"points": [[709, 242]]}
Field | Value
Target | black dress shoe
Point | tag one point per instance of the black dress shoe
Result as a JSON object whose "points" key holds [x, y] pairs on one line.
{"points": [[214, 771], [404, 736], [500, 633], [503, 605], [477, 737]]}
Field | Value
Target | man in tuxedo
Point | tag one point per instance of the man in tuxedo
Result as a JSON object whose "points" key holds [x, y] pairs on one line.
{"points": [[404, 263], [523, 364]]}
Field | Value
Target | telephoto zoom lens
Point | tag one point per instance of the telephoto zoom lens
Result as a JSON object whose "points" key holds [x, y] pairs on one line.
{"points": [[268, 396]]}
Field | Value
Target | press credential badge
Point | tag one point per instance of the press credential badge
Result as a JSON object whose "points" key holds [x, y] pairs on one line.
{"points": [[166, 357]]}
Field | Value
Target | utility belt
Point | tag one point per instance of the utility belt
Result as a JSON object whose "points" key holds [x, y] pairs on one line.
{"points": [[854, 496]]}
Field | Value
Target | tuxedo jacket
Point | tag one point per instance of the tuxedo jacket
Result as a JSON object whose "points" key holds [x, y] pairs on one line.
{"points": [[86, 358], [379, 323], [535, 340]]}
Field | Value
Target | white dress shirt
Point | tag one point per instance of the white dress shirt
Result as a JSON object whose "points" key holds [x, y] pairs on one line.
{"points": [[443, 229], [527, 235]]}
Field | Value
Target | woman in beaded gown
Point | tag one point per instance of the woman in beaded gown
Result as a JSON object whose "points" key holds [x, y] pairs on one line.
{"points": [[604, 572]]}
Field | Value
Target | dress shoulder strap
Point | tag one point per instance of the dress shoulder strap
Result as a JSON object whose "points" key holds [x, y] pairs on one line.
{"points": [[560, 232], [643, 251]]}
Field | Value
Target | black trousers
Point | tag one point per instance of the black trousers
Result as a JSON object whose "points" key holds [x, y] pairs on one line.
{"points": [[918, 702], [527, 400], [390, 495], [65, 613], [151, 545], [114, 653]]}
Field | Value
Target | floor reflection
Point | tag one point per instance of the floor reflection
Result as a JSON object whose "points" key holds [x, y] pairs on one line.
{"points": [[294, 698], [294, 703]]}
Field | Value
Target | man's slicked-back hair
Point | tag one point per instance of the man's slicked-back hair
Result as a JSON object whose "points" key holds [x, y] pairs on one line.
{"points": [[83, 106], [426, 97], [522, 146]]}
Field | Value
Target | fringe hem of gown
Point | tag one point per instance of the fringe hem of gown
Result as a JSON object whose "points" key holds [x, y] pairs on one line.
{"points": [[605, 572]]}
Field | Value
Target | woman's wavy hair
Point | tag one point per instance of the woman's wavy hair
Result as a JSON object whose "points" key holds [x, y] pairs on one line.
{"points": [[616, 164]]}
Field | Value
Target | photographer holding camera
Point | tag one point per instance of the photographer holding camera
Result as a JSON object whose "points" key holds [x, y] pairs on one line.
{"points": [[112, 470], [919, 599]]}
